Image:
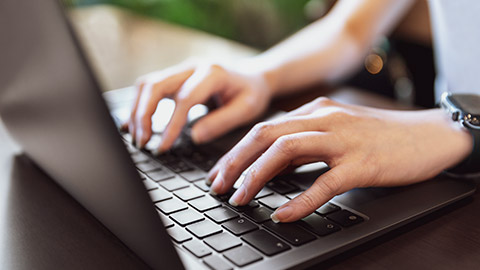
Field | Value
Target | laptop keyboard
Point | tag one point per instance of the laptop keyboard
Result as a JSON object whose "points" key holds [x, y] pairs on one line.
{"points": [[209, 228]]}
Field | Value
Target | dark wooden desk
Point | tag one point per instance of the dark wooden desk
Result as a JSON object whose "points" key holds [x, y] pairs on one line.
{"points": [[42, 227]]}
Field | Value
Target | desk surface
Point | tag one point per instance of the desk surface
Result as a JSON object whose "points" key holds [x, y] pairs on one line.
{"points": [[42, 227]]}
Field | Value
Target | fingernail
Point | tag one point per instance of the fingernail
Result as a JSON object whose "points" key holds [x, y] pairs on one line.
{"points": [[238, 196], [208, 181], [217, 184], [281, 214]]}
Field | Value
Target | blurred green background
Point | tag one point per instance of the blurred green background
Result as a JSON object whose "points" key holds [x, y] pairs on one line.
{"points": [[258, 23]]}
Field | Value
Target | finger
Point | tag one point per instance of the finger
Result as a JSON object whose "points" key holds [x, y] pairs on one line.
{"points": [[278, 157], [311, 106], [223, 119], [131, 122], [196, 89], [153, 91], [334, 182], [257, 140]]}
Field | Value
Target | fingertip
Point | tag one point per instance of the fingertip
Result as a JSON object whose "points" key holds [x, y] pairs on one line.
{"points": [[197, 135], [283, 214]]}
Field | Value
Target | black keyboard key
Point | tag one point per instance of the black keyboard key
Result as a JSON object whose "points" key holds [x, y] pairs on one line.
{"points": [[159, 195], [320, 225], [170, 206], [197, 248], [221, 214], [265, 242], [178, 234], [345, 218], [140, 157], [222, 241], [224, 197], [239, 226], [217, 263], [186, 217], [179, 166], [291, 232], [189, 193], [149, 166], [165, 220], [327, 209], [242, 256], [167, 157], [259, 214], [160, 174], [193, 175], [207, 164], [274, 201], [204, 228], [202, 185], [264, 193], [204, 203], [174, 184], [149, 184], [281, 186]]}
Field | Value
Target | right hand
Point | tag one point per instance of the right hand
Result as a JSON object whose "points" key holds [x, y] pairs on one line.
{"points": [[242, 96]]}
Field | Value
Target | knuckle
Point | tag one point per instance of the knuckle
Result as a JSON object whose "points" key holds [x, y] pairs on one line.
{"points": [[308, 201], [262, 131], [286, 144], [323, 101], [330, 185]]}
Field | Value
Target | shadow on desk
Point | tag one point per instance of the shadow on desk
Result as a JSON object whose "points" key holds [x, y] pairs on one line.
{"points": [[45, 228]]}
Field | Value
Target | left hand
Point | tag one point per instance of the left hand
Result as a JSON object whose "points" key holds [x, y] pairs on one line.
{"points": [[362, 146]]}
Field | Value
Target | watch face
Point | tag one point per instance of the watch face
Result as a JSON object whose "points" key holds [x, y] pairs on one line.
{"points": [[468, 103]]}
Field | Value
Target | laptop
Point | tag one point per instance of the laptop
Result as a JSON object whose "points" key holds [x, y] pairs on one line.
{"points": [[159, 207]]}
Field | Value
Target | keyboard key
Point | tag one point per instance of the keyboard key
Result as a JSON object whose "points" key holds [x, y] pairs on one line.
{"points": [[204, 228], [221, 214], [345, 218], [293, 195], [193, 175], [217, 263], [291, 232], [207, 164], [204, 203], [179, 166], [149, 184], [259, 214], [273, 201], [165, 220], [189, 193], [222, 241], [167, 157], [265, 242], [242, 256], [264, 193], [178, 234], [202, 185], [281, 186], [224, 197], [250, 205], [174, 184], [160, 174], [319, 225], [239, 226], [149, 166], [327, 209], [170, 206], [197, 248], [186, 217], [159, 195], [140, 157]]}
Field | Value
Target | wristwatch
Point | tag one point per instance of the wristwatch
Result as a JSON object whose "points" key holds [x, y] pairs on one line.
{"points": [[465, 109]]}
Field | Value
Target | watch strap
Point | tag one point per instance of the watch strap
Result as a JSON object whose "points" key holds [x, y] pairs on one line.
{"points": [[470, 164]]}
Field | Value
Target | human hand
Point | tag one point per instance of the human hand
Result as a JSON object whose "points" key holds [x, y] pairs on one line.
{"points": [[362, 146], [242, 94]]}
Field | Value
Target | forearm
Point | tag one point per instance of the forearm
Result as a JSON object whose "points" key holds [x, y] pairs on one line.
{"points": [[330, 48]]}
